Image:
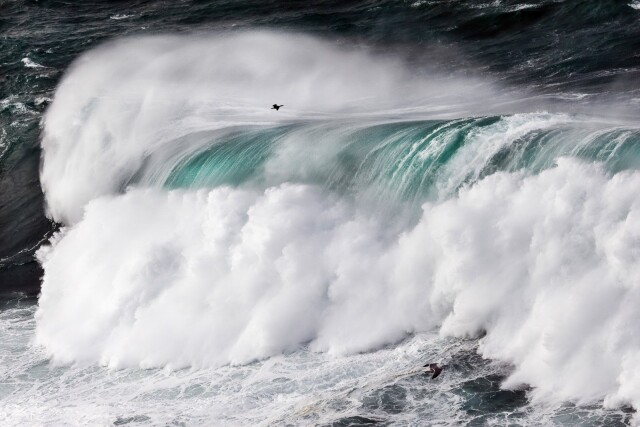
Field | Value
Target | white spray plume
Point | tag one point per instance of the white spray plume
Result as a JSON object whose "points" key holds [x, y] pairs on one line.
{"points": [[547, 265], [121, 103]]}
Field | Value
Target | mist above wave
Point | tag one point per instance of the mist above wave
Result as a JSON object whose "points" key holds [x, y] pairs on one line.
{"points": [[544, 261], [120, 103]]}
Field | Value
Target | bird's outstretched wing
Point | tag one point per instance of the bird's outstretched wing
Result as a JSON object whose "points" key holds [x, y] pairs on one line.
{"points": [[434, 369]]}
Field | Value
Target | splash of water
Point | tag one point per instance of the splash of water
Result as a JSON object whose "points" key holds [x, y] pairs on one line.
{"points": [[534, 249]]}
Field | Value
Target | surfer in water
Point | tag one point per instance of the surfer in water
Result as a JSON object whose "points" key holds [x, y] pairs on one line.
{"points": [[433, 369], [276, 107]]}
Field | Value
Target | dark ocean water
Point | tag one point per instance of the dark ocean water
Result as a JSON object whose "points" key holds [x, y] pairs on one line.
{"points": [[516, 122]]}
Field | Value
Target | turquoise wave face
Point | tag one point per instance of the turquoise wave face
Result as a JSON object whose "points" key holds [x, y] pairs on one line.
{"points": [[407, 161], [232, 160]]}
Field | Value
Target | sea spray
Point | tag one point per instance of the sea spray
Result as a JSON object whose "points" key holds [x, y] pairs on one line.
{"points": [[545, 265], [120, 104], [201, 229]]}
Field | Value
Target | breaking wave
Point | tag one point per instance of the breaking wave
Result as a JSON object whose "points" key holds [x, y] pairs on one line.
{"points": [[202, 229]]}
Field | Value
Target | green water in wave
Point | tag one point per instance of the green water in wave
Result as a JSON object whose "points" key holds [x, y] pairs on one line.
{"points": [[232, 161], [405, 161]]}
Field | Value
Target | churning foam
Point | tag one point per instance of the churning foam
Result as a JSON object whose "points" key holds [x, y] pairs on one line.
{"points": [[545, 264]]}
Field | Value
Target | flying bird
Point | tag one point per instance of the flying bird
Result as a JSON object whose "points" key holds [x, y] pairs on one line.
{"points": [[276, 107], [432, 368]]}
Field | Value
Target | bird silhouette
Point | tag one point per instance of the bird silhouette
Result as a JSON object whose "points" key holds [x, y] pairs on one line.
{"points": [[432, 368], [276, 107]]}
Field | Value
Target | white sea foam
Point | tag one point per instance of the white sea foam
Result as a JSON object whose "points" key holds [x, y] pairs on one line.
{"points": [[30, 64], [119, 16], [547, 265], [298, 388]]}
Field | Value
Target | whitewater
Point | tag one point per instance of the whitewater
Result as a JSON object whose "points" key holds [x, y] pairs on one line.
{"points": [[221, 263]]}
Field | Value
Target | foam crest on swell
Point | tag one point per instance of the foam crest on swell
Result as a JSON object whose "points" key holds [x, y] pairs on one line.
{"points": [[546, 265], [121, 103]]}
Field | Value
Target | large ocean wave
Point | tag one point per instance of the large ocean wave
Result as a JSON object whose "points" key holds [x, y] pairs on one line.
{"points": [[202, 229]]}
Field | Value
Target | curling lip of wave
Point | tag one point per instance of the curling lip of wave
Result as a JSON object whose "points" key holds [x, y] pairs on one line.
{"points": [[122, 102]]}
